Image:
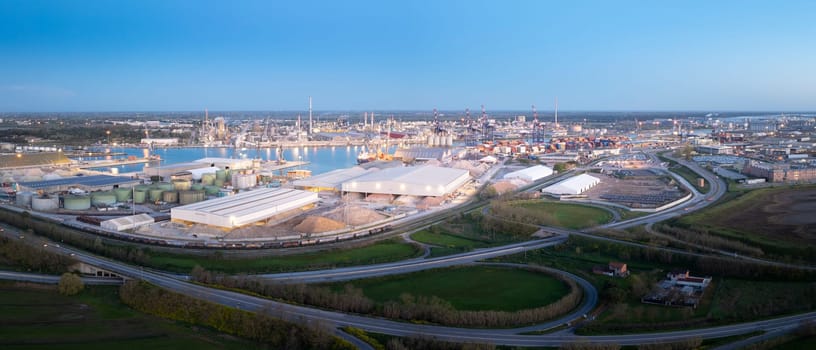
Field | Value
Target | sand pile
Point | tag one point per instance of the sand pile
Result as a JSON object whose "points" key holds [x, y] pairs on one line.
{"points": [[504, 186], [357, 215], [406, 200], [315, 224], [474, 168], [379, 198], [429, 202]]}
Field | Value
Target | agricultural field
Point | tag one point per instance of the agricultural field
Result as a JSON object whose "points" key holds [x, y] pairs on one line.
{"points": [[469, 288], [38, 317], [379, 252], [778, 220]]}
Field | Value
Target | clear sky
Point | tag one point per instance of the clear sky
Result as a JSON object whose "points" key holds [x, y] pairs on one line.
{"points": [[373, 55]]}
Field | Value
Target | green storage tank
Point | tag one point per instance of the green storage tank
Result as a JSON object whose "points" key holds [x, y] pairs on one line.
{"points": [[170, 196], [220, 175], [122, 194], [77, 203], [155, 194], [103, 197], [166, 186], [196, 187], [139, 197]]}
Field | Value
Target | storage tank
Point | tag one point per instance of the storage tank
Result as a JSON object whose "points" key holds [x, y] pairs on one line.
{"points": [[142, 188], [207, 179], [24, 198], [139, 197], [103, 197], [188, 197], [219, 183], [170, 196], [77, 203], [211, 190], [182, 175], [181, 185], [45, 203], [196, 187], [430, 140], [449, 140], [154, 194], [219, 175], [122, 194], [244, 181], [166, 186]]}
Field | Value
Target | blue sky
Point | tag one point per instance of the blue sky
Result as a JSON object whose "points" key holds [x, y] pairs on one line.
{"points": [[375, 55]]}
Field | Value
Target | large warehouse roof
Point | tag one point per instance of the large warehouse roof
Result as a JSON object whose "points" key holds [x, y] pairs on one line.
{"points": [[532, 173], [244, 208], [573, 186], [87, 182], [127, 222], [413, 181], [224, 163], [333, 179]]}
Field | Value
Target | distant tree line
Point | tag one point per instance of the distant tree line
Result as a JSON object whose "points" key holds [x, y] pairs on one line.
{"points": [[259, 327], [408, 307]]}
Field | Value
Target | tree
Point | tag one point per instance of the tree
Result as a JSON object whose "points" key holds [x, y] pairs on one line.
{"points": [[70, 284]]}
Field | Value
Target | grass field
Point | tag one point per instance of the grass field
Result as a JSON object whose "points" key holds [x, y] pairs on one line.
{"points": [[380, 252], [37, 317], [686, 173], [573, 216], [460, 236], [470, 288]]}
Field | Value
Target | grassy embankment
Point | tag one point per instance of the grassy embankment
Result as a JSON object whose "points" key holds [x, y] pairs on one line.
{"points": [[36, 317], [686, 174], [468, 288]]}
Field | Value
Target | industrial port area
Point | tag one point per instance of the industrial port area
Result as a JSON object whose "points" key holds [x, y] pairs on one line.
{"points": [[407, 175]]}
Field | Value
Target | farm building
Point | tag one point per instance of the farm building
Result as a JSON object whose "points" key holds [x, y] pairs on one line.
{"points": [[530, 174], [127, 222], [330, 181], [572, 186], [87, 183], [243, 208], [419, 181]]}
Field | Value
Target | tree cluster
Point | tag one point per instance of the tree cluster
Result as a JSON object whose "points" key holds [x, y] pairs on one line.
{"points": [[258, 326], [70, 284], [34, 258]]}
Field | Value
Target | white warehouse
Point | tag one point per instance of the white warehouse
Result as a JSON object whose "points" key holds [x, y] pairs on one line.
{"points": [[427, 181], [572, 186], [530, 174], [243, 208]]}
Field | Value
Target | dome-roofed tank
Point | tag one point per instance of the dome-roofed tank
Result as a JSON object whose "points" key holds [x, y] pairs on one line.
{"points": [[188, 197], [139, 197], [196, 187], [45, 203], [24, 198], [170, 196], [166, 186], [103, 197], [122, 194], [220, 175], [207, 179], [181, 185], [77, 202], [155, 194], [211, 190]]}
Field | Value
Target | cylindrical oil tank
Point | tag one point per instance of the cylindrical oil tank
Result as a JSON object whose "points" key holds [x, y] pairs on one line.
{"points": [[24, 198], [196, 187], [139, 197], [208, 178], [45, 203], [219, 175], [182, 175], [430, 140], [181, 185], [142, 188], [244, 181], [155, 194], [219, 182], [77, 202], [449, 140], [122, 194], [211, 190], [188, 197], [170, 196], [166, 186], [103, 197]]}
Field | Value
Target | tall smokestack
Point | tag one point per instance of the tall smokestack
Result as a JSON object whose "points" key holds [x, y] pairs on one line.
{"points": [[310, 115], [365, 120], [556, 112]]}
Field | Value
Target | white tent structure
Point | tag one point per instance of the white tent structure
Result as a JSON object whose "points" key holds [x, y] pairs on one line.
{"points": [[573, 186], [530, 174], [243, 208], [201, 171], [418, 181], [127, 222], [332, 180]]}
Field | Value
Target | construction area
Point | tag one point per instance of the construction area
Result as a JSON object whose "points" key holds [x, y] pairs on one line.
{"points": [[636, 188]]}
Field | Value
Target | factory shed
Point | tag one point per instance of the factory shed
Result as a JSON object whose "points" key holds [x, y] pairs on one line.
{"points": [[243, 208], [166, 171], [87, 183], [412, 181], [226, 163], [201, 171], [573, 186], [330, 181], [530, 174], [127, 222]]}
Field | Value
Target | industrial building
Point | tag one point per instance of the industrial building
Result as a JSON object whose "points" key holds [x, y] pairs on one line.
{"points": [[166, 171], [87, 183], [226, 163], [127, 222], [420, 181], [23, 160], [573, 186], [244, 208], [530, 174], [330, 181]]}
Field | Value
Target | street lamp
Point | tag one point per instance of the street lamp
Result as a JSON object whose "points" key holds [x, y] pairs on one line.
{"points": [[108, 133]]}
